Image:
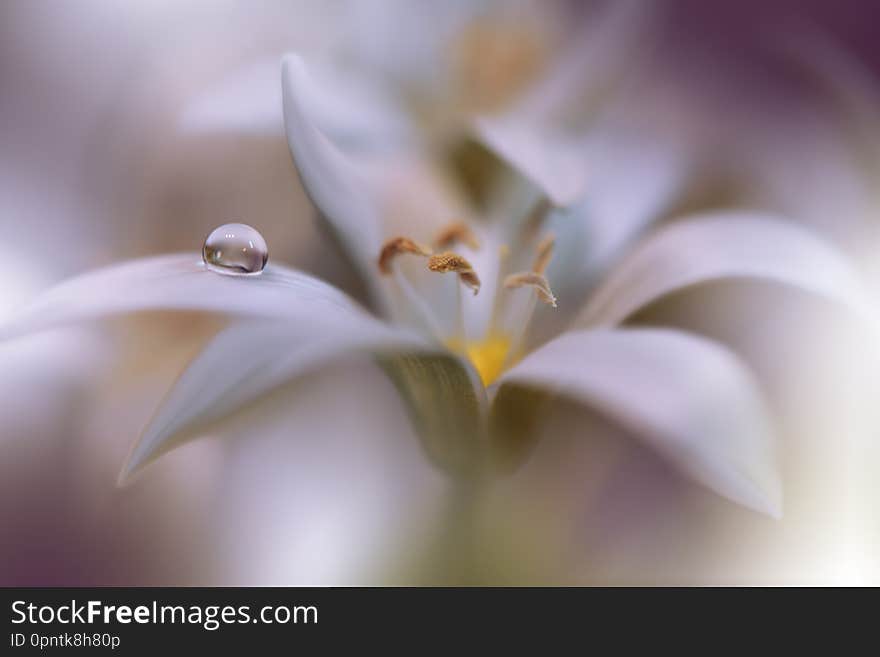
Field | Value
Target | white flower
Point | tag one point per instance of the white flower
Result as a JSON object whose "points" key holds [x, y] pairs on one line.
{"points": [[466, 364]]}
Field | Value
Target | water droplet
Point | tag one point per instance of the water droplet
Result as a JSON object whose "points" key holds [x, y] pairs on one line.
{"points": [[235, 249]]}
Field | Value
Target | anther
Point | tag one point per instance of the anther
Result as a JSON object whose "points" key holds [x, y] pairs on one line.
{"points": [[452, 262], [535, 280], [398, 246], [456, 233]]}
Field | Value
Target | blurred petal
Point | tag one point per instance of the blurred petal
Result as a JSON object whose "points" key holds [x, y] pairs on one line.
{"points": [[180, 282], [344, 106], [249, 360], [594, 63], [447, 404], [593, 233], [365, 199], [689, 398], [542, 135], [718, 246], [334, 182], [320, 492], [553, 162], [611, 215]]}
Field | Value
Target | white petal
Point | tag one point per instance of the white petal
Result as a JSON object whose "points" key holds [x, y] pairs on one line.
{"points": [[346, 107], [179, 282], [542, 136], [597, 57], [593, 233], [247, 361], [717, 246], [634, 179], [686, 396], [553, 161], [366, 199], [324, 492], [334, 181]]}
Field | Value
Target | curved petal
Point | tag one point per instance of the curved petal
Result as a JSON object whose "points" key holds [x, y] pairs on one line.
{"points": [[179, 282], [542, 136], [688, 397], [346, 107], [447, 404], [324, 493], [250, 359], [594, 232], [552, 161], [246, 362], [717, 246], [333, 181], [364, 199]]}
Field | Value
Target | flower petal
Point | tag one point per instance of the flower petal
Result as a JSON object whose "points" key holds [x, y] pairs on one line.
{"points": [[447, 404], [686, 396], [594, 232], [346, 107], [179, 282], [250, 359], [718, 246], [357, 490], [366, 198], [542, 135], [554, 162], [334, 181]]}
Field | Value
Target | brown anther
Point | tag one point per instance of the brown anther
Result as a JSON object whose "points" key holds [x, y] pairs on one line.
{"points": [[543, 254], [452, 262], [398, 246], [535, 280], [457, 233]]}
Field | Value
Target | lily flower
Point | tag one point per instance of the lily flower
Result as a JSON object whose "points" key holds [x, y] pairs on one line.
{"points": [[454, 297]]}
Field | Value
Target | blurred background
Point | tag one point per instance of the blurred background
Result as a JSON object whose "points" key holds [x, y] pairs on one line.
{"points": [[94, 169]]}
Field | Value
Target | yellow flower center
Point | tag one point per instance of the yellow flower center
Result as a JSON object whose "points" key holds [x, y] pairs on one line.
{"points": [[488, 355]]}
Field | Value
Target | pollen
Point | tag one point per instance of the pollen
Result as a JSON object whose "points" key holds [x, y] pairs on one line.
{"points": [[488, 355], [452, 262], [456, 233], [398, 246]]}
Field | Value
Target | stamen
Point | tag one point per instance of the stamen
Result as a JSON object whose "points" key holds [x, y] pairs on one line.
{"points": [[398, 246], [457, 233], [538, 281], [452, 262], [535, 280], [390, 250], [544, 253]]}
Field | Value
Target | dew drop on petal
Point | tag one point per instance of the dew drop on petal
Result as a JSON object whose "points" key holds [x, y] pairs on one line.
{"points": [[235, 249]]}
